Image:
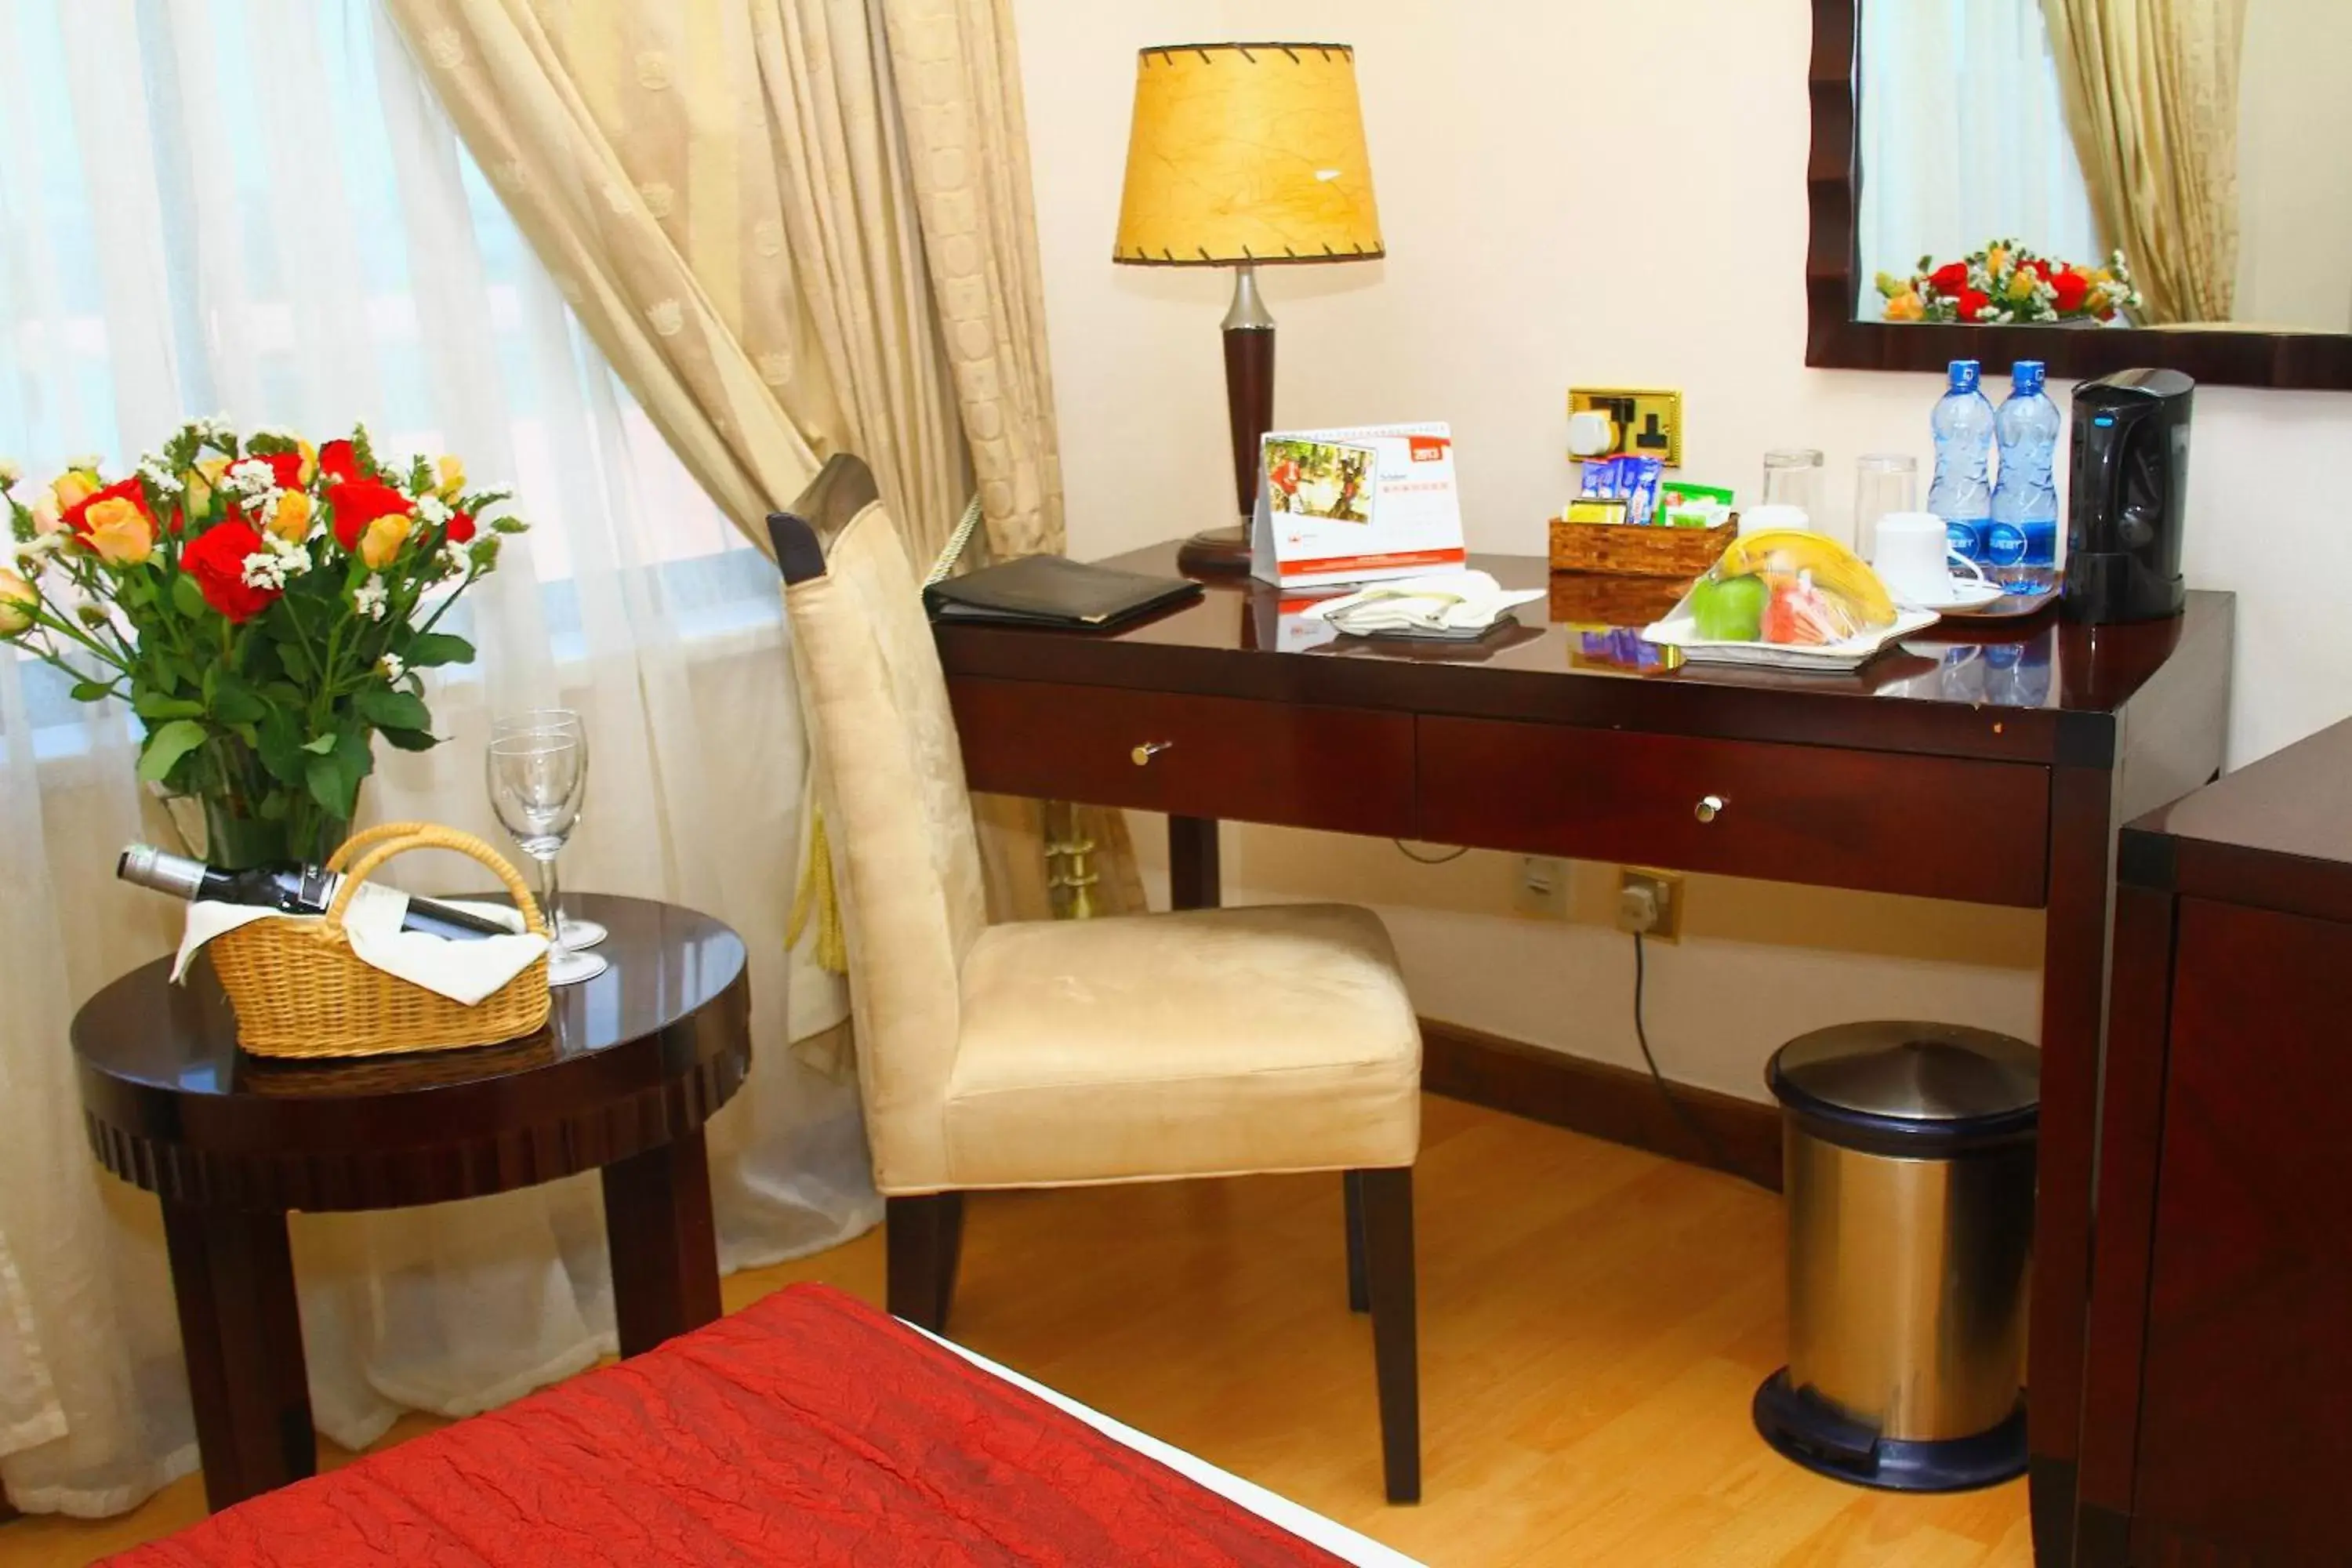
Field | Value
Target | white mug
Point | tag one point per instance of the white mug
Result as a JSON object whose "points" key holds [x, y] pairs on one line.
{"points": [[1914, 557]]}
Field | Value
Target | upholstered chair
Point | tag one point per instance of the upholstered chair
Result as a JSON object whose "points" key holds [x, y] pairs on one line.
{"points": [[1065, 1053]]}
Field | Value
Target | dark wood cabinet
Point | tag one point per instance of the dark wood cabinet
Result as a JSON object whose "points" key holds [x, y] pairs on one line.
{"points": [[2217, 1417]]}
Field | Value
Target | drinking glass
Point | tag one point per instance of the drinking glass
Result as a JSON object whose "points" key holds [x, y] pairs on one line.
{"points": [[574, 931], [1883, 483], [1793, 477], [535, 782]]}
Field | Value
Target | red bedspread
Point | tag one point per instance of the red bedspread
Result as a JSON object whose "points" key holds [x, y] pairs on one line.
{"points": [[807, 1430]]}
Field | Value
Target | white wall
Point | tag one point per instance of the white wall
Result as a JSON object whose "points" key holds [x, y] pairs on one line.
{"points": [[1531, 159], [2294, 202]]}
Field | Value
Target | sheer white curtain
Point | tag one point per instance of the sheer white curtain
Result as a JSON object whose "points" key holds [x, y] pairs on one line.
{"points": [[1964, 137], [254, 206]]}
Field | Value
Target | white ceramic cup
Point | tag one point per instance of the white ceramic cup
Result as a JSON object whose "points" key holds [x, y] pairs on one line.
{"points": [[1915, 558], [1766, 519]]}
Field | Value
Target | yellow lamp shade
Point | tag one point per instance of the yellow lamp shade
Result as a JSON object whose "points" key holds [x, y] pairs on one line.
{"points": [[1247, 153]]}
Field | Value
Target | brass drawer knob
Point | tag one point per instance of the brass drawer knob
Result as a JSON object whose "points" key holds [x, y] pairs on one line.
{"points": [[1710, 807], [1143, 754]]}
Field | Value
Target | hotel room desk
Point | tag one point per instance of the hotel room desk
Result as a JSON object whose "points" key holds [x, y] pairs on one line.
{"points": [[1990, 764]]}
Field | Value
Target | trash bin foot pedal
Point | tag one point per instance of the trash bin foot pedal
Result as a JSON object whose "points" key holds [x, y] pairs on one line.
{"points": [[1807, 1429]]}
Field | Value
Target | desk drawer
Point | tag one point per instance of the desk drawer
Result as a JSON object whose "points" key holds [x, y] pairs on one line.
{"points": [[1347, 769], [1939, 827]]}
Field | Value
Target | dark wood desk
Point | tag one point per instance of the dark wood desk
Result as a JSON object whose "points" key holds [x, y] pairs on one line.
{"points": [[1991, 766], [2217, 1423], [623, 1078]]}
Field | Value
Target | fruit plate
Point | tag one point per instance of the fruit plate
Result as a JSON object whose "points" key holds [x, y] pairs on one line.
{"points": [[1680, 630], [2007, 606]]}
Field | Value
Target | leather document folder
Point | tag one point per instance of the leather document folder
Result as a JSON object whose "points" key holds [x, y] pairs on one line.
{"points": [[1051, 591]]}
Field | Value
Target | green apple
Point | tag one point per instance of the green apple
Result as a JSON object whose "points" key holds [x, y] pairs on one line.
{"points": [[1730, 609]]}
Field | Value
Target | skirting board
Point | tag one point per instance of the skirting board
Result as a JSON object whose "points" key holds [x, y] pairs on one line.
{"points": [[1601, 1101]]}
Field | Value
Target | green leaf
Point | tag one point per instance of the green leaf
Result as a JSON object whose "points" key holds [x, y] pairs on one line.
{"points": [[388, 709], [319, 745], [155, 705], [432, 649], [353, 751], [410, 740], [166, 746], [280, 746], [235, 702], [325, 781], [93, 692], [187, 598], [510, 525]]}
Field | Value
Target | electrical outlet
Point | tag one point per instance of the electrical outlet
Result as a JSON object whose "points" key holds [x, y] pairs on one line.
{"points": [[1648, 420], [1539, 887], [1650, 902]]}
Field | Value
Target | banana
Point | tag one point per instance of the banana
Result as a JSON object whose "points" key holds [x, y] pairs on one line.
{"points": [[1785, 551]]}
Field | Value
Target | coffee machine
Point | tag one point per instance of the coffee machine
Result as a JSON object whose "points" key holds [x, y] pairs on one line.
{"points": [[2130, 494]]}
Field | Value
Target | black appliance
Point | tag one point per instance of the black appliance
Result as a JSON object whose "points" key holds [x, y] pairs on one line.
{"points": [[2130, 493]]}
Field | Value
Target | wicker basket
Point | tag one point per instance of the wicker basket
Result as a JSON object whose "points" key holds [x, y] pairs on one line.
{"points": [[1623, 549], [300, 990]]}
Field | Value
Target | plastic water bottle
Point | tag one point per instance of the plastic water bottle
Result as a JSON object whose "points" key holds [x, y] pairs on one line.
{"points": [[1962, 494], [2022, 546]]}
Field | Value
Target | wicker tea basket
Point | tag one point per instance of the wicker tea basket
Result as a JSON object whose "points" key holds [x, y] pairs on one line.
{"points": [[300, 990]]}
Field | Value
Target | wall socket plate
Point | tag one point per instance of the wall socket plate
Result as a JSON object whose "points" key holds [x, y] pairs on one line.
{"points": [[1649, 420], [1666, 890], [1539, 887]]}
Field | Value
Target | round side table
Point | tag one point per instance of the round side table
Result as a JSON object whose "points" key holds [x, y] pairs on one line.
{"points": [[629, 1068]]}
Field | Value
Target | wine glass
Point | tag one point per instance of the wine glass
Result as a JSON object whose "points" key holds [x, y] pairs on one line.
{"points": [[574, 931], [535, 782]]}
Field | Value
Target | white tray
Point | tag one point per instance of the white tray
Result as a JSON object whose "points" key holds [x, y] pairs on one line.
{"points": [[1680, 629]]}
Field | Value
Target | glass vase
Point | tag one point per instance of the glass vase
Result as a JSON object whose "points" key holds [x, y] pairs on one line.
{"points": [[239, 840]]}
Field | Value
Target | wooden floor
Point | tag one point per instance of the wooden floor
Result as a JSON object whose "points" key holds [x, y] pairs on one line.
{"points": [[1593, 1321]]}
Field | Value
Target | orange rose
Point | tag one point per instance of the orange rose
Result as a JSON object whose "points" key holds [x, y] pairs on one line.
{"points": [[17, 601], [73, 487], [290, 519], [119, 532], [382, 539]]}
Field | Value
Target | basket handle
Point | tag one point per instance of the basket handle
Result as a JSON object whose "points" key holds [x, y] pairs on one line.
{"points": [[348, 850], [426, 836]]}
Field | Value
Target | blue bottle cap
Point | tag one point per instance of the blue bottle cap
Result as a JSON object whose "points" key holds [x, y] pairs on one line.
{"points": [[1967, 376], [2026, 377]]}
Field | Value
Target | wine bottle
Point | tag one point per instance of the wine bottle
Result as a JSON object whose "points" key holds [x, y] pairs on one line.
{"points": [[288, 888]]}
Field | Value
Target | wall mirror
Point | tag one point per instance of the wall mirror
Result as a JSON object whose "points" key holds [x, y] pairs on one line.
{"points": [[2095, 184]]}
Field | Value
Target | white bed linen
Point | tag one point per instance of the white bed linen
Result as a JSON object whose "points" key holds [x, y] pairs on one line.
{"points": [[1305, 1523]]}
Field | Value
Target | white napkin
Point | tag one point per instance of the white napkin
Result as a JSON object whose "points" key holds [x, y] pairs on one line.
{"points": [[1455, 603], [465, 971]]}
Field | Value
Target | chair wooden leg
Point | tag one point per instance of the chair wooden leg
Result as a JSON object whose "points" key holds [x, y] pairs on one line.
{"points": [[1387, 1208], [1360, 1295], [924, 1236]]}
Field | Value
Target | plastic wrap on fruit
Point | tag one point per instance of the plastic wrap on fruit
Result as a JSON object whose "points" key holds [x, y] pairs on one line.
{"points": [[1790, 586]]}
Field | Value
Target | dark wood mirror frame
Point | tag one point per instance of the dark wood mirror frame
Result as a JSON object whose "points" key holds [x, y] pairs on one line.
{"points": [[1833, 281]]}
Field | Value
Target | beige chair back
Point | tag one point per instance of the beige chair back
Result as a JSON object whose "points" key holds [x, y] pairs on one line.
{"points": [[891, 786]]}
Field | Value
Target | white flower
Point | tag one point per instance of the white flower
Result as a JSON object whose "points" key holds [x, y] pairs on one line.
{"points": [[250, 477], [89, 460], [432, 508], [152, 469], [220, 426], [274, 433], [373, 598], [454, 555], [392, 667], [262, 570], [9, 473]]}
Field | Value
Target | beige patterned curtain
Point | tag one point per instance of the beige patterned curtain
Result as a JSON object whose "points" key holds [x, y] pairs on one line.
{"points": [[793, 238], [2151, 90]]}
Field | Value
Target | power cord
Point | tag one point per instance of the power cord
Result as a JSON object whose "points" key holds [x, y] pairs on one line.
{"points": [[1707, 1141], [1429, 859]]}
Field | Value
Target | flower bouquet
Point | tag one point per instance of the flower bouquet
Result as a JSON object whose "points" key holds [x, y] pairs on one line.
{"points": [[2004, 284], [264, 605]]}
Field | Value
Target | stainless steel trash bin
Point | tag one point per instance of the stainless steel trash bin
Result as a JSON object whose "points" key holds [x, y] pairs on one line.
{"points": [[1909, 1182]]}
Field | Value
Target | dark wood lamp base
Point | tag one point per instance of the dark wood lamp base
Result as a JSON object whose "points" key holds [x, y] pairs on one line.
{"points": [[1215, 553]]}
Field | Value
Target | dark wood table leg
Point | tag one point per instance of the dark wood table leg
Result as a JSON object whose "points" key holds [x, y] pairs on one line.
{"points": [[2073, 1022], [241, 1327], [664, 1243], [1192, 863]]}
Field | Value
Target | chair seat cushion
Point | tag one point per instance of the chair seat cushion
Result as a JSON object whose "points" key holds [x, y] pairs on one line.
{"points": [[1213, 1042]]}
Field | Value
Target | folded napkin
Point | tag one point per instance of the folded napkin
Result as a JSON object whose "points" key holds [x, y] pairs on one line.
{"points": [[1454, 605], [465, 971]]}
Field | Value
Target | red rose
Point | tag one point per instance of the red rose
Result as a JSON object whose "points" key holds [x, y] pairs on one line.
{"points": [[77, 516], [2071, 287], [359, 502], [1972, 303], [217, 561], [1950, 278], [337, 460], [285, 467], [2039, 269], [461, 527]]}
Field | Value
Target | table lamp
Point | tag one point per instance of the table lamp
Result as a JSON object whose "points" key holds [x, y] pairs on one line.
{"points": [[1242, 155]]}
